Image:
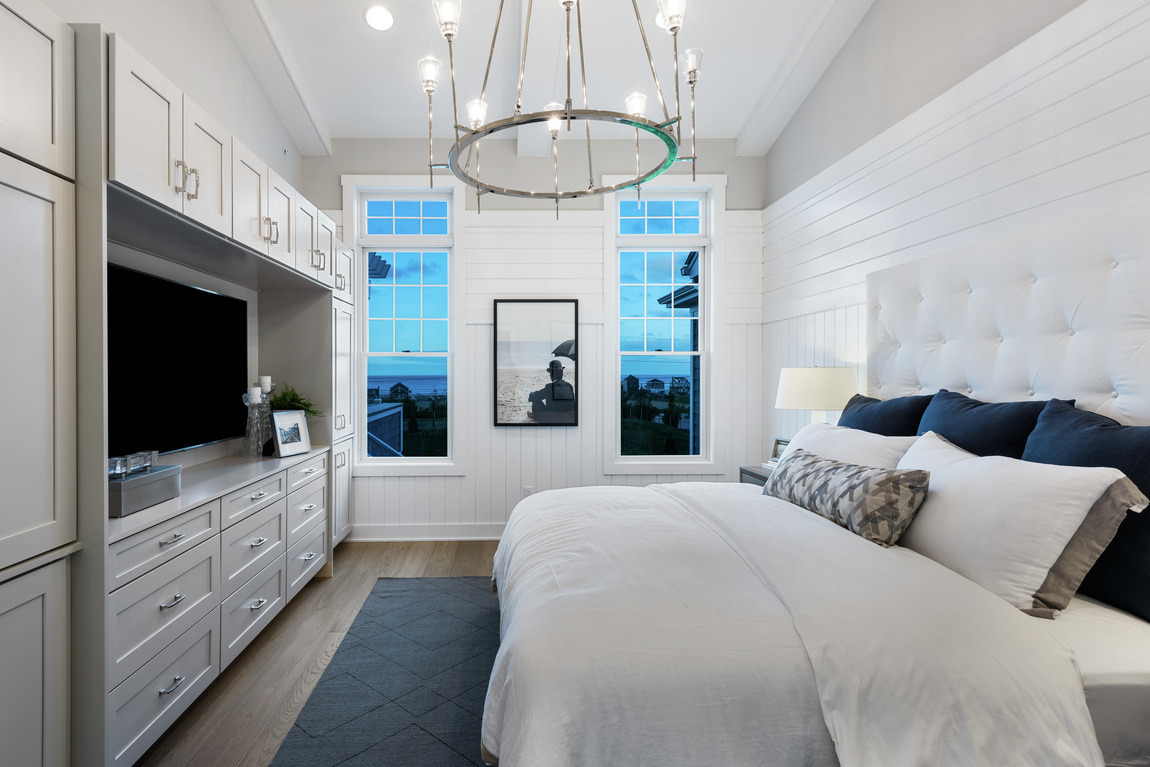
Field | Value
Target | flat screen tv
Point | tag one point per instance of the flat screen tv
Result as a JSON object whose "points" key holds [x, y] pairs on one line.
{"points": [[177, 364]]}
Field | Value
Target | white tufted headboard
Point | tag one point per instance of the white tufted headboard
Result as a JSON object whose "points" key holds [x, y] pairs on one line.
{"points": [[1060, 311]]}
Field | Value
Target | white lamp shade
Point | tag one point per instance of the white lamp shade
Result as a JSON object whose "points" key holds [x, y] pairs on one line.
{"points": [[815, 388], [554, 124], [691, 63]]}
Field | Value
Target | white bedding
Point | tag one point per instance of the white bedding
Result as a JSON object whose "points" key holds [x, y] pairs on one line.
{"points": [[1113, 651], [704, 623]]}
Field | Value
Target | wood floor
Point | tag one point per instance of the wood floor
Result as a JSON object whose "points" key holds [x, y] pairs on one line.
{"points": [[242, 718]]}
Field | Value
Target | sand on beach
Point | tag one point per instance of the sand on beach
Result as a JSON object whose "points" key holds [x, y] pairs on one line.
{"points": [[512, 385]]}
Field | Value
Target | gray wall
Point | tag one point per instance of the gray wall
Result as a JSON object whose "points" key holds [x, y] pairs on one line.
{"points": [[321, 175], [191, 46], [903, 54]]}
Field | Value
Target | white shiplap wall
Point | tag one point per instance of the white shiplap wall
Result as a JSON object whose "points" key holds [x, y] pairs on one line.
{"points": [[1056, 127], [526, 254]]}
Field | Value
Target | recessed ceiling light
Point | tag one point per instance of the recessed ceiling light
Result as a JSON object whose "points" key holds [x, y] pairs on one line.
{"points": [[660, 22], [378, 17]]}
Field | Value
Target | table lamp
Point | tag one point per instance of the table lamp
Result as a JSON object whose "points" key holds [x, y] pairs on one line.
{"points": [[816, 389]]}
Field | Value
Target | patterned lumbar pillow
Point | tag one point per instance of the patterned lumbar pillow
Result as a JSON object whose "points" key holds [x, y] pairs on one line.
{"points": [[877, 504]]}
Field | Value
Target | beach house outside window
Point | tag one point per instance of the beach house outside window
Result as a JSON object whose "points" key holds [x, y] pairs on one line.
{"points": [[408, 336], [660, 336]]}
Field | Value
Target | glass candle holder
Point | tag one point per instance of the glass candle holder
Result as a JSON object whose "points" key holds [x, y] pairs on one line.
{"points": [[255, 434]]}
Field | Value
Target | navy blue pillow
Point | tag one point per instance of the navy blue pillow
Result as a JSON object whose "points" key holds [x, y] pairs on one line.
{"points": [[1069, 437], [982, 428], [896, 417]]}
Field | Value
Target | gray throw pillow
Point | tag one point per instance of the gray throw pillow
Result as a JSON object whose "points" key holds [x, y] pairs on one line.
{"points": [[876, 504]]}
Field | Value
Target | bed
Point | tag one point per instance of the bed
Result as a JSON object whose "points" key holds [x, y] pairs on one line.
{"points": [[709, 623]]}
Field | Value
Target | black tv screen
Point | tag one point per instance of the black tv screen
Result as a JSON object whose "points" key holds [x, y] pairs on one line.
{"points": [[177, 364]]}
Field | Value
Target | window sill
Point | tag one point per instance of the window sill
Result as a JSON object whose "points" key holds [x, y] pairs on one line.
{"points": [[443, 468], [701, 466]]}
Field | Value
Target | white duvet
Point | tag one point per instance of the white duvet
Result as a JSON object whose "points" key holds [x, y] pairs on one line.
{"points": [[702, 623]]}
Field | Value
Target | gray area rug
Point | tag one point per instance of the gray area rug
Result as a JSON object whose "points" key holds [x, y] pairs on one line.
{"points": [[407, 685]]}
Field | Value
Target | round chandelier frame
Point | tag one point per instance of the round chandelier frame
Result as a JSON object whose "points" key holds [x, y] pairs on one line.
{"points": [[457, 164], [468, 136]]}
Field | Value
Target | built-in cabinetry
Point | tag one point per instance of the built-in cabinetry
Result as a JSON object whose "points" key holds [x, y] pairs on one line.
{"points": [[168, 598], [38, 385], [164, 145]]}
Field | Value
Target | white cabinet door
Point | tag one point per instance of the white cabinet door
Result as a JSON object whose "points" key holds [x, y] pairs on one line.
{"points": [[344, 273], [37, 83], [343, 323], [326, 244], [251, 224], [340, 491], [146, 130], [208, 156], [282, 201], [307, 255], [38, 347], [34, 667]]}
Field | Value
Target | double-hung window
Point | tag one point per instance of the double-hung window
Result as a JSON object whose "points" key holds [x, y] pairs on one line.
{"points": [[662, 315], [408, 339]]}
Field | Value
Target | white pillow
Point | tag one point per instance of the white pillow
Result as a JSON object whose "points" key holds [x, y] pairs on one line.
{"points": [[1003, 522], [850, 445]]}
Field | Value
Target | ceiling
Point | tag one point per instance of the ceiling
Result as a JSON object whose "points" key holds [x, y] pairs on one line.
{"points": [[331, 76]]}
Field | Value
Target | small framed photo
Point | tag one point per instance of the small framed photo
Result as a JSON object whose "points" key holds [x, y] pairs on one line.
{"points": [[290, 427], [536, 362], [780, 446]]}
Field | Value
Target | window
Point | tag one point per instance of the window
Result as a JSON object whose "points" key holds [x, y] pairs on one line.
{"points": [[407, 339], [660, 346]]}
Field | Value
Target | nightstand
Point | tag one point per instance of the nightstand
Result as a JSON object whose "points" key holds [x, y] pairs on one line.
{"points": [[755, 475]]}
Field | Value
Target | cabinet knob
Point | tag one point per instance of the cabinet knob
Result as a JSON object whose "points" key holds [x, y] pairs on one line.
{"points": [[183, 185], [194, 195], [308, 556], [179, 680], [179, 598], [260, 494], [259, 603], [309, 507], [258, 543], [171, 540]]}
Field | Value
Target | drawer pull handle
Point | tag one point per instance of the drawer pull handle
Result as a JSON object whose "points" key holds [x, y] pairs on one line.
{"points": [[260, 494], [259, 603], [260, 542], [310, 470], [309, 507], [179, 598], [179, 680], [309, 556], [172, 540]]}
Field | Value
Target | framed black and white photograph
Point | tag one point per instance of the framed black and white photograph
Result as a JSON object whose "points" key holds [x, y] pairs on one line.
{"points": [[780, 446], [290, 427], [536, 362]]}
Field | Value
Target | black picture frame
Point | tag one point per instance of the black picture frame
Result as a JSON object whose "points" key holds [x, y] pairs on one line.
{"points": [[536, 340]]}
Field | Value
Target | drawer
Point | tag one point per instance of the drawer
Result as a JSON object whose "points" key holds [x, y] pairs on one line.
{"points": [[147, 614], [258, 495], [305, 558], [147, 550], [304, 508], [311, 469], [148, 702], [249, 546], [245, 613]]}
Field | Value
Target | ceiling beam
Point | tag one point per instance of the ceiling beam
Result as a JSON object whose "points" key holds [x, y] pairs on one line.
{"points": [[816, 48], [254, 27]]}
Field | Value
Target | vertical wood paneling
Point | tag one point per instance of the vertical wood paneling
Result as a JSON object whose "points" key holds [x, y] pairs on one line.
{"points": [[531, 256]]}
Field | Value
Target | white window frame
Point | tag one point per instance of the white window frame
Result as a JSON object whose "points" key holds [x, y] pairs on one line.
{"points": [[459, 438], [712, 242]]}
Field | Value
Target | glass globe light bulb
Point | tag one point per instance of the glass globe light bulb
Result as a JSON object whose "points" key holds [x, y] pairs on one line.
{"points": [[636, 104], [691, 64], [556, 121], [447, 13], [673, 12], [429, 73], [476, 112]]}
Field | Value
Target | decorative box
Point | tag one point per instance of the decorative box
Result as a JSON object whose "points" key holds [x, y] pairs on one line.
{"points": [[134, 492]]}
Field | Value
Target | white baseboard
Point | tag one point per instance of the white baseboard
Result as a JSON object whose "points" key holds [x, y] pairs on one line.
{"points": [[484, 532]]}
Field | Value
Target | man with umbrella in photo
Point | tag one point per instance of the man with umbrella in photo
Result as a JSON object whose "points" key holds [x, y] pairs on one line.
{"points": [[555, 402]]}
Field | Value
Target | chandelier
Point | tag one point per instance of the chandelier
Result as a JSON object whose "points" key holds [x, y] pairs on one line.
{"points": [[559, 116]]}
